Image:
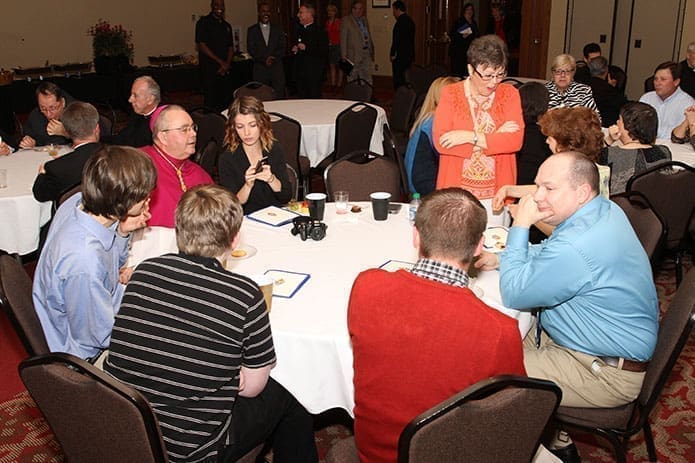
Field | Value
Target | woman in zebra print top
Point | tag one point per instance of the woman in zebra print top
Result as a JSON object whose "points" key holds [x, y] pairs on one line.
{"points": [[564, 91]]}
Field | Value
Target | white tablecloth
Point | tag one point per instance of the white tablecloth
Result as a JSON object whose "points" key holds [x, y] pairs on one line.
{"points": [[317, 118], [683, 153], [21, 216], [314, 356]]}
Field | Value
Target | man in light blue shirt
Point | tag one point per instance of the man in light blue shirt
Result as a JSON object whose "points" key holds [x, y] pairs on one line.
{"points": [[591, 282], [667, 98], [76, 288]]}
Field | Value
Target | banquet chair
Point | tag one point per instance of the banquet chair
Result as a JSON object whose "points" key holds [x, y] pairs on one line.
{"points": [[65, 195], [393, 152], [93, 416], [670, 189], [362, 173], [512, 81], [211, 126], [497, 419], [401, 111], [649, 226], [353, 131], [358, 90], [208, 158], [256, 89], [288, 133], [618, 424], [294, 180], [16, 300]]}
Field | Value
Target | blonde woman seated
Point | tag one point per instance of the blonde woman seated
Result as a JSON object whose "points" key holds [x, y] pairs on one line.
{"points": [[421, 158], [636, 132], [253, 167], [566, 129]]}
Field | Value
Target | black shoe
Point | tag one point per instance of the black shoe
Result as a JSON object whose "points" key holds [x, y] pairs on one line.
{"points": [[568, 454]]}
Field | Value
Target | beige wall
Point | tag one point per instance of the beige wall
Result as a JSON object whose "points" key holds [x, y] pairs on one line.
{"points": [[381, 24], [32, 33]]}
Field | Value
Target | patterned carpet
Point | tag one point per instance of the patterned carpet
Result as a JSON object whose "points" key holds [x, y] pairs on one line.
{"points": [[25, 436]]}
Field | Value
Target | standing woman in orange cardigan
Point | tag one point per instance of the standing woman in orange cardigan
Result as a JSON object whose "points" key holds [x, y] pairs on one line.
{"points": [[479, 126]]}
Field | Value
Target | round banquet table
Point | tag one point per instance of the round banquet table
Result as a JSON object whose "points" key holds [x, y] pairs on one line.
{"points": [[314, 355], [22, 216], [317, 118]]}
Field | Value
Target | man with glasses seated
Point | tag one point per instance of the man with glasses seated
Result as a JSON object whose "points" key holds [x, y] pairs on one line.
{"points": [[174, 137], [564, 91], [43, 126], [76, 291], [81, 121]]}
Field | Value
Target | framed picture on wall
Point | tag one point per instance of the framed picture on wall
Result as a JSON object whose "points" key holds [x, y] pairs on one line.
{"points": [[381, 3]]}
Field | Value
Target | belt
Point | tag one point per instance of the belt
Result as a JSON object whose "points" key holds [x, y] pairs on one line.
{"points": [[625, 364]]}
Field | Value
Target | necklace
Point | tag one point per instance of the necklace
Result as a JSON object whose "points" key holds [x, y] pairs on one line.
{"points": [[178, 171]]}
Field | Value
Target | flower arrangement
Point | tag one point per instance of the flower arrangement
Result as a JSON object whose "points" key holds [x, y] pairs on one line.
{"points": [[109, 40]]}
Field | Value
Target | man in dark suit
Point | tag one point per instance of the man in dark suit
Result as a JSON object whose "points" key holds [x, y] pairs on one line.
{"points": [[688, 70], [402, 43], [81, 121], [145, 96], [43, 126], [311, 52], [266, 43], [607, 97]]}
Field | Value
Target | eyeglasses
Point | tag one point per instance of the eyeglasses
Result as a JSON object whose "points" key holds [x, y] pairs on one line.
{"points": [[183, 128], [562, 72], [50, 109], [490, 77]]}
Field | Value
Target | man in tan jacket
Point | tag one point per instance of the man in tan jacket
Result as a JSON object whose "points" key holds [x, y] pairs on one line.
{"points": [[356, 43]]}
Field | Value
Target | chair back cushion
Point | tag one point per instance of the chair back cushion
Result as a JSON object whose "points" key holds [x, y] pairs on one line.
{"points": [[211, 126], [648, 225], [358, 90], [362, 173], [402, 108], [256, 89], [16, 299], [671, 193], [497, 419], [353, 129], [288, 133], [94, 417]]}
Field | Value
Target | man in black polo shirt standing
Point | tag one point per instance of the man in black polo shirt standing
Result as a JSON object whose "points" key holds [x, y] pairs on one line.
{"points": [[213, 36]]}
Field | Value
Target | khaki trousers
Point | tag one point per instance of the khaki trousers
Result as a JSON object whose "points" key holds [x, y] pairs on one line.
{"points": [[585, 380]]}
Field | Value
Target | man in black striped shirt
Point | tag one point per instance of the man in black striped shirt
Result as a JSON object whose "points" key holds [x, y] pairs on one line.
{"points": [[195, 339]]}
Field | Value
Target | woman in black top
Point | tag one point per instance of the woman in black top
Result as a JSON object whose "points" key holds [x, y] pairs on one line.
{"points": [[464, 30], [534, 103], [250, 140]]}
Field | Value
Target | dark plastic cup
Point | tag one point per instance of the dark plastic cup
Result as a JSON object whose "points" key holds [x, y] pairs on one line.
{"points": [[380, 204], [317, 205]]}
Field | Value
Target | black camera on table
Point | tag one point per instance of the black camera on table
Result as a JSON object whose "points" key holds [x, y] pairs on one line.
{"points": [[306, 227]]}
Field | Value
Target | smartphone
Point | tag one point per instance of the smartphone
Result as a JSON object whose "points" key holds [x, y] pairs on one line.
{"points": [[394, 208], [261, 162]]}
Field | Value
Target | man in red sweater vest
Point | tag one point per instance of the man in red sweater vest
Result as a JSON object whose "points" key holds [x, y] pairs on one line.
{"points": [[421, 336]]}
